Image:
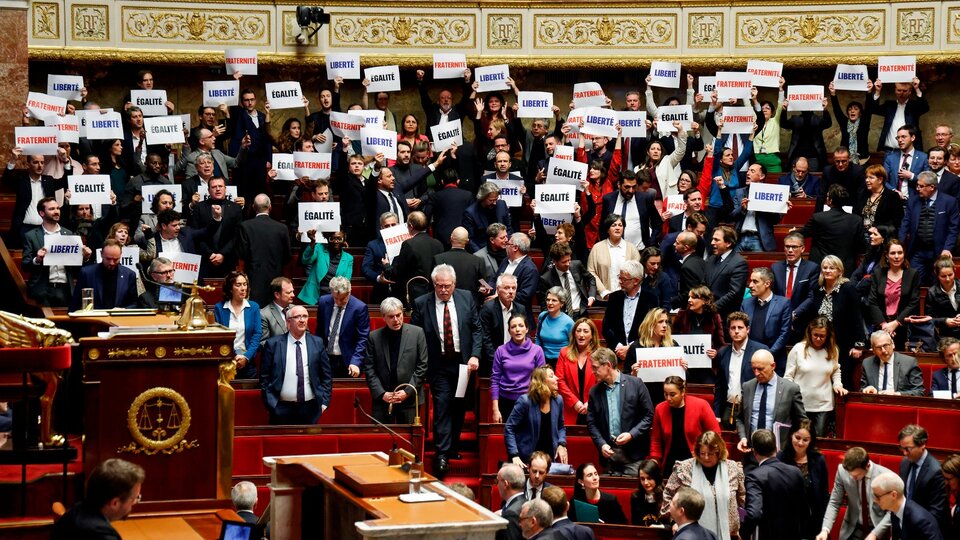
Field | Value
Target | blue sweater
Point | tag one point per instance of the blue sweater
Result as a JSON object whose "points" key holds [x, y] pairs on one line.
{"points": [[553, 333]]}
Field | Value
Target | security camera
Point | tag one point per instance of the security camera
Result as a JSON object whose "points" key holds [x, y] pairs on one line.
{"points": [[307, 16]]}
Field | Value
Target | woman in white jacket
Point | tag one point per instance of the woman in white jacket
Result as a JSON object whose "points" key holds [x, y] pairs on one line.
{"points": [[664, 170]]}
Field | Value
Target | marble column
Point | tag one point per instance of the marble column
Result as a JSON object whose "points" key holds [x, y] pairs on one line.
{"points": [[13, 69]]}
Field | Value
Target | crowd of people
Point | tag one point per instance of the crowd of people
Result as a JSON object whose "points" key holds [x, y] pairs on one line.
{"points": [[785, 340]]}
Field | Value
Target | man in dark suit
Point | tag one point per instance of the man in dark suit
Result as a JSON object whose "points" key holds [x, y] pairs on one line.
{"points": [[768, 400], [694, 200], [771, 315], [947, 182], [444, 110], [249, 127], [693, 270], [889, 372], [48, 285], [727, 272], [733, 369], [571, 276], [835, 232], [776, 501], [453, 339], [264, 249], [626, 309], [411, 267], [922, 476], [843, 172], [298, 395], [469, 269], [904, 164], [535, 520], [930, 225], [642, 223], [686, 507], [397, 354], [447, 206], [25, 217], [244, 497], [910, 520], [510, 487], [114, 286], [563, 528], [113, 488], [171, 237], [494, 315], [697, 224], [795, 277], [219, 220], [486, 210], [351, 186], [623, 439], [518, 263], [374, 260], [343, 323], [947, 379], [387, 195], [913, 109], [273, 320]]}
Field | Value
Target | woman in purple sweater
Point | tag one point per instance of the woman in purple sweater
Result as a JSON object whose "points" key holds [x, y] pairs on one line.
{"points": [[513, 364]]}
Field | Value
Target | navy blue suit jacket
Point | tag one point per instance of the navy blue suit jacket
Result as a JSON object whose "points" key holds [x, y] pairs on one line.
{"points": [[273, 364], [528, 279], [694, 531], [918, 164], [636, 416], [91, 277], [914, 108], [476, 222], [930, 491], [777, 327], [354, 328], [260, 150], [941, 380], [917, 523], [776, 501], [723, 372], [568, 530], [613, 331], [253, 331], [803, 284], [944, 228], [649, 217], [522, 429]]}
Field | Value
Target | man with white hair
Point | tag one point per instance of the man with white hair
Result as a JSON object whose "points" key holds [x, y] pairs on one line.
{"points": [[397, 355], [626, 309], [535, 517], [510, 482], [448, 317], [494, 319], [520, 265], [244, 496], [910, 520], [343, 323]]}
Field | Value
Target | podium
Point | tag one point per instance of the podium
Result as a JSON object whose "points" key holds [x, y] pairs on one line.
{"points": [[323, 497], [162, 399]]}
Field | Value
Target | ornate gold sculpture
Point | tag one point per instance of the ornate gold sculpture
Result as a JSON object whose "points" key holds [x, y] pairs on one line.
{"points": [[819, 29], [194, 311], [127, 353], [46, 20], [151, 418], [559, 31], [192, 351], [159, 25], [433, 31], [19, 331]]}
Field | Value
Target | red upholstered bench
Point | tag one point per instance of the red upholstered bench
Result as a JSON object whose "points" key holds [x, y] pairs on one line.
{"points": [[493, 451], [292, 445], [941, 425], [248, 456], [248, 409], [379, 442], [862, 421]]}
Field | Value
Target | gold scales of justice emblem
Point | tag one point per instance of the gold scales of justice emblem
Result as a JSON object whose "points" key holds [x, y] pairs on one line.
{"points": [[158, 420]]}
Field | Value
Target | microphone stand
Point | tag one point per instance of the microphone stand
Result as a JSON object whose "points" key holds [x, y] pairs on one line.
{"points": [[418, 448], [397, 455]]}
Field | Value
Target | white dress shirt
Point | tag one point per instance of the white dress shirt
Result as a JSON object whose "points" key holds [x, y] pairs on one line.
{"points": [[453, 322], [288, 390]]}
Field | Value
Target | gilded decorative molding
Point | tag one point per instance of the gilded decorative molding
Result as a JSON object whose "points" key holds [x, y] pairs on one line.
{"points": [[90, 22], [208, 27], [566, 31], [192, 351], [46, 20], [953, 25], [915, 26], [160, 352], [290, 30], [504, 31], [705, 30], [355, 29], [818, 29], [140, 352]]}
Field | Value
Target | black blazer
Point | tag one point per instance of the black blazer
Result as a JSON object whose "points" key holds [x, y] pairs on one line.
{"points": [[446, 207], [776, 503], [909, 303], [863, 130], [217, 236], [817, 486], [613, 317], [930, 491], [636, 416], [722, 386], [468, 322], [649, 217], [938, 306], [491, 323], [415, 259], [914, 108], [432, 109], [803, 284], [20, 181], [835, 232], [889, 209], [727, 280], [469, 269], [584, 281], [693, 273], [608, 507], [847, 318], [949, 184], [265, 250]]}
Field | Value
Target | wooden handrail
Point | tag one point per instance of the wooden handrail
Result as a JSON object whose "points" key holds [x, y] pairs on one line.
{"points": [[11, 281]]}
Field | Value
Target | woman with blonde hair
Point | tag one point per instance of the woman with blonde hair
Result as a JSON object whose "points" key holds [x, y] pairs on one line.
{"points": [[718, 479], [836, 299], [814, 364], [574, 373], [654, 331], [527, 431]]}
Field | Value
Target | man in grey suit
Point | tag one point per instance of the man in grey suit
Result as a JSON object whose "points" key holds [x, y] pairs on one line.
{"points": [[853, 482], [889, 372], [777, 402], [396, 354], [273, 319]]}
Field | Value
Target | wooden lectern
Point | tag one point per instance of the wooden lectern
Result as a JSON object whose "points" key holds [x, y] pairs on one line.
{"points": [[162, 399], [353, 496]]}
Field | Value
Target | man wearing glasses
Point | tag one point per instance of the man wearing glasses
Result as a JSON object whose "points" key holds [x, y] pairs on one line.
{"points": [[909, 519], [889, 372], [922, 478], [849, 175], [795, 277]]}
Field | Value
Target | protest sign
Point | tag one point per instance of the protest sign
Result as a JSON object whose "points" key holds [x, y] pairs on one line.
{"points": [[894, 69], [804, 97], [768, 198], [284, 95], [665, 74], [666, 116], [65, 86], [41, 105], [34, 140], [346, 125], [632, 123], [217, 92], [283, 163], [186, 266], [588, 94], [371, 117], [163, 129], [492, 78], [68, 127], [447, 134], [319, 216], [393, 237], [129, 257], [563, 152], [675, 204], [738, 119], [346, 65], [555, 198], [63, 250], [312, 165], [733, 85], [374, 141], [851, 77], [552, 221], [695, 349], [765, 74], [535, 105], [150, 102], [243, 61], [569, 172], [382, 79], [449, 65], [510, 192], [600, 122], [705, 86], [103, 126], [89, 189], [658, 363]]}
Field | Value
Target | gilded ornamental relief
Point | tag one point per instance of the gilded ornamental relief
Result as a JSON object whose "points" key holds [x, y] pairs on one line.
{"points": [[438, 31], [45, 20], [605, 31], [915, 26], [817, 28], [201, 26]]}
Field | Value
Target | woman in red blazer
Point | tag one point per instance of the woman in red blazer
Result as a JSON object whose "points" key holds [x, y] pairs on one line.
{"points": [[574, 375], [693, 413]]}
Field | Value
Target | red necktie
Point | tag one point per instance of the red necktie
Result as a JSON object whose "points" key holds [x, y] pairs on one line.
{"points": [[789, 281], [865, 521], [447, 330]]}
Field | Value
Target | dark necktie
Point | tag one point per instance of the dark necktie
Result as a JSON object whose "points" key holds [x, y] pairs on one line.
{"points": [[885, 365], [335, 330], [393, 205], [912, 480], [447, 329], [897, 531], [623, 211], [566, 289], [953, 382], [865, 521], [762, 415], [301, 393]]}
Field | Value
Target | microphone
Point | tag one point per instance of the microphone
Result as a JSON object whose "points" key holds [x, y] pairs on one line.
{"points": [[396, 457]]}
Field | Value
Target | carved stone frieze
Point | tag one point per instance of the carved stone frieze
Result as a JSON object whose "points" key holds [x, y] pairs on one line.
{"points": [[953, 25], [353, 30], [504, 31], [89, 22], [290, 30], [816, 29], [157, 25], [915, 26], [566, 31], [705, 30], [46, 20]]}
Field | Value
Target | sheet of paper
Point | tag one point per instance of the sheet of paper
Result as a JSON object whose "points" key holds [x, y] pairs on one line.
{"points": [[463, 378]]}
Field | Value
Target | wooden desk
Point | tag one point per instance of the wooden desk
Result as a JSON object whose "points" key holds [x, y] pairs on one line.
{"points": [[337, 512], [203, 526]]}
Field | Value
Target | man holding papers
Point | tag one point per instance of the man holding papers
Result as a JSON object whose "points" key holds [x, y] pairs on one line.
{"points": [[444, 109], [905, 109], [49, 285], [246, 120]]}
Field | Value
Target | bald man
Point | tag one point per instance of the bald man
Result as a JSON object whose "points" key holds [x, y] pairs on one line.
{"points": [[769, 402], [264, 249], [469, 269]]}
